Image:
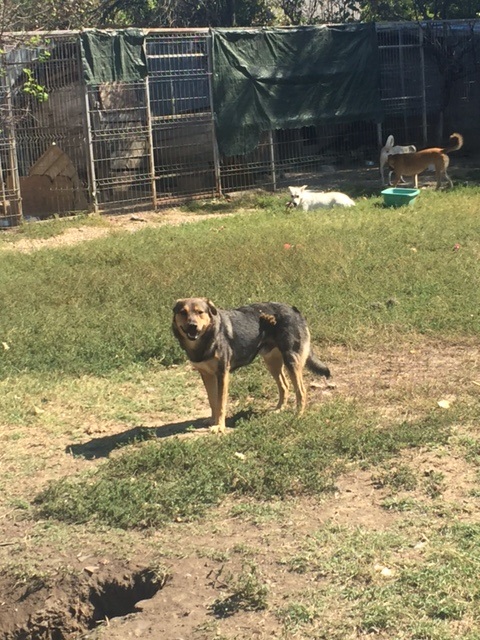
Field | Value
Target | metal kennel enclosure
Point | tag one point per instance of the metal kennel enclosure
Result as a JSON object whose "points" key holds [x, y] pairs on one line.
{"points": [[82, 133]]}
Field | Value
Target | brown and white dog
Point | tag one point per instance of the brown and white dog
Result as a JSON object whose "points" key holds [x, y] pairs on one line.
{"points": [[391, 148], [412, 164]]}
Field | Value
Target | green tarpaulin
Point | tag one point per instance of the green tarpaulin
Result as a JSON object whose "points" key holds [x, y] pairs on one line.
{"points": [[113, 56], [266, 79]]}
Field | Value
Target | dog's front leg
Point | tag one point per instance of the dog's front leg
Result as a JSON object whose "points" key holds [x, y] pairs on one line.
{"points": [[211, 387], [396, 178], [223, 378]]}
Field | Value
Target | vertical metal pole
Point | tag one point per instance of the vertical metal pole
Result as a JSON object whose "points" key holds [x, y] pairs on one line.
{"points": [[272, 160], [379, 134], [86, 133], [12, 157], [92, 180], [3, 88], [4, 193], [424, 90], [216, 154], [150, 140], [402, 79], [381, 59]]}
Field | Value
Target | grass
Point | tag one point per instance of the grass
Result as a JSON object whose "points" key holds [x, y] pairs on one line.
{"points": [[247, 591], [352, 274], [86, 340], [416, 598], [265, 458]]}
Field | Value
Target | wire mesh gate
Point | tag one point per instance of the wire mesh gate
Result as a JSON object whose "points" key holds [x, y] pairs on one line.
{"points": [[153, 141], [144, 144], [179, 93]]}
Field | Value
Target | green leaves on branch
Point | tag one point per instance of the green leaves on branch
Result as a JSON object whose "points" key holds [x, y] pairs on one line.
{"points": [[32, 87]]}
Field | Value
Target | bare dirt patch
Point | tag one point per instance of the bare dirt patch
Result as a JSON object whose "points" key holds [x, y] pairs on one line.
{"points": [[113, 224], [52, 579]]}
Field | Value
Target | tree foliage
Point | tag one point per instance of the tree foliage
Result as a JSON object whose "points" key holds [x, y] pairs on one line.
{"points": [[418, 10], [187, 13], [24, 15]]}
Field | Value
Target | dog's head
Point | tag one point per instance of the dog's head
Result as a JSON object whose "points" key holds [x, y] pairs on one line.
{"points": [[296, 195], [192, 317]]}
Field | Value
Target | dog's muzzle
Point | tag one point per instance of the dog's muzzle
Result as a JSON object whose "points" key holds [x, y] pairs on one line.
{"points": [[191, 332]]}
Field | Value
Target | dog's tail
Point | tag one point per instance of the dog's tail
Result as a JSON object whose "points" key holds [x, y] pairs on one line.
{"points": [[390, 142], [455, 143], [315, 365]]}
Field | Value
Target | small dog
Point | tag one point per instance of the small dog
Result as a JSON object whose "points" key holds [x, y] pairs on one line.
{"points": [[218, 341], [411, 164], [307, 200], [389, 149]]}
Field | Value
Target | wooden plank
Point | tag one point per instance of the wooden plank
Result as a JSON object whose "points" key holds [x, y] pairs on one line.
{"points": [[45, 161]]}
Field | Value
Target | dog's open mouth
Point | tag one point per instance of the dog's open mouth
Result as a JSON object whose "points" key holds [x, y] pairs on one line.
{"points": [[192, 333]]}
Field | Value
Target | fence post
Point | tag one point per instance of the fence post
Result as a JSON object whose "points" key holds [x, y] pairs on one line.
{"points": [[272, 160], [402, 79], [424, 90], [12, 159], [216, 155], [92, 180], [150, 144]]}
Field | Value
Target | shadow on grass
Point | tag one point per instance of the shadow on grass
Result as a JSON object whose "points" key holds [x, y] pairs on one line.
{"points": [[102, 447]]}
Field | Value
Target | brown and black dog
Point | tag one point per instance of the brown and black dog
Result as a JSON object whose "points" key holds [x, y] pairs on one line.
{"points": [[411, 164], [218, 341]]}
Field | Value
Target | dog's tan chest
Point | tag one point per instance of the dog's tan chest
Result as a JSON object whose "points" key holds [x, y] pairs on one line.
{"points": [[207, 366]]}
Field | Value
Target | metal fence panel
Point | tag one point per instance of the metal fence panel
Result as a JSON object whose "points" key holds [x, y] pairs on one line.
{"points": [[179, 76], [120, 146], [49, 135], [149, 143]]}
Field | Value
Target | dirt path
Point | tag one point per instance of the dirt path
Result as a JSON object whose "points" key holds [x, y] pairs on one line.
{"points": [[112, 224]]}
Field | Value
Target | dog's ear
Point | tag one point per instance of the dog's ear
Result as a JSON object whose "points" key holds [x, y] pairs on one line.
{"points": [[303, 188], [211, 307], [292, 190]]}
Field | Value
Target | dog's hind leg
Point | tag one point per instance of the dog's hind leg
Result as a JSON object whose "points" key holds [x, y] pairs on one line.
{"points": [[294, 366], [274, 363], [390, 174]]}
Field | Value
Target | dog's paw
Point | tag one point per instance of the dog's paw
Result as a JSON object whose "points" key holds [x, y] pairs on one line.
{"points": [[218, 429]]}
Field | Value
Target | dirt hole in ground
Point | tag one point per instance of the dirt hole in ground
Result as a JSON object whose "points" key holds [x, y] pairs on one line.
{"points": [[74, 605], [115, 599]]}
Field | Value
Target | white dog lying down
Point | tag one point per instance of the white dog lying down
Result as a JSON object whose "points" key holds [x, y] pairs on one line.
{"points": [[390, 149], [300, 197]]}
